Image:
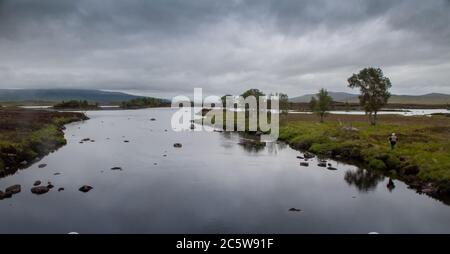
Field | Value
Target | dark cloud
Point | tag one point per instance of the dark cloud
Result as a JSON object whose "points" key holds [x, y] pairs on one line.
{"points": [[168, 47]]}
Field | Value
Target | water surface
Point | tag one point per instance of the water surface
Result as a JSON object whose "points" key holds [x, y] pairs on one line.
{"points": [[210, 185]]}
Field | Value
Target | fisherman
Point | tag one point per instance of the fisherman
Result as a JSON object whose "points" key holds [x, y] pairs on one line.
{"points": [[393, 140]]}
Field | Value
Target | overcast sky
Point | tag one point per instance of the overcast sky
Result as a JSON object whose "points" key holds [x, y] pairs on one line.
{"points": [[168, 47]]}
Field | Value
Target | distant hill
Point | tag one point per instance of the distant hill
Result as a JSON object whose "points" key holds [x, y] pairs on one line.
{"points": [[57, 95], [429, 99], [337, 96], [432, 98]]}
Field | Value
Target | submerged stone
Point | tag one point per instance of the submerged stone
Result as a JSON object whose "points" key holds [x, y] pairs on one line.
{"points": [[40, 190], [85, 188], [13, 189]]}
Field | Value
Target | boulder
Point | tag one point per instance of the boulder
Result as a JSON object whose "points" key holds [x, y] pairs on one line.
{"points": [[42, 165], [13, 189], [322, 164], [152, 119], [332, 168], [295, 210], [177, 145], [60, 189], [126, 141], [39, 190], [300, 157], [7, 195], [85, 188], [308, 155], [37, 183], [50, 185], [304, 164], [116, 168]]}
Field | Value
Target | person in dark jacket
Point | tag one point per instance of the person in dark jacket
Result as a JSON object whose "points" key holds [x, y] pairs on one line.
{"points": [[393, 140]]}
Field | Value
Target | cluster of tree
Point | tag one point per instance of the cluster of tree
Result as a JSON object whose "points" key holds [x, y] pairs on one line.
{"points": [[74, 104], [145, 102], [283, 99], [374, 93]]}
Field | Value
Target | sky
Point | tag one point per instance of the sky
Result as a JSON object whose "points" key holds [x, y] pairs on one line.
{"points": [[168, 47]]}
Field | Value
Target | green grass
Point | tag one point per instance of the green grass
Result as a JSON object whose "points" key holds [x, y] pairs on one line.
{"points": [[28, 134], [420, 145]]}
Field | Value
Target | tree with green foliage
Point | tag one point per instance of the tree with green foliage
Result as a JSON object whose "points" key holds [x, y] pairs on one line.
{"points": [[224, 99], [284, 103], [374, 88], [253, 92], [321, 104]]}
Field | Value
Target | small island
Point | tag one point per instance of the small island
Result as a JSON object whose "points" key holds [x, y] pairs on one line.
{"points": [[28, 135], [145, 102], [74, 104]]}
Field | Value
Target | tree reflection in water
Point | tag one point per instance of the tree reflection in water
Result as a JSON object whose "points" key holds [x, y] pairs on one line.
{"points": [[363, 180]]}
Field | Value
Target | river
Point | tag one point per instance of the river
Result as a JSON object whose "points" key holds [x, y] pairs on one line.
{"points": [[210, 185]]}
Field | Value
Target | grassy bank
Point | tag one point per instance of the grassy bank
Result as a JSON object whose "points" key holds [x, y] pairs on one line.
{"points": [[421, 158], [27, 135]]}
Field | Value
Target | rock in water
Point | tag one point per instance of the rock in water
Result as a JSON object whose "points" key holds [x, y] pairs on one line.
{"points": [[177, 145], [85, 188], [7, 195], [50, 185], [42, 165], [13, 189], [37, 183], [152, 119], [304, 164], [60, 189], [300, 157], [39, 190], [308, 155], [116, 168], [295, 210], [331, 168], [322, 164]]}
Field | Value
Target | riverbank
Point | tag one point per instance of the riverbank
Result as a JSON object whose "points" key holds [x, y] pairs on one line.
{"points": [[421, 158], [28, 135]]}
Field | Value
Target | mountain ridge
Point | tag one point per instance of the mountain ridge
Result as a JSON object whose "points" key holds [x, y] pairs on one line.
{"points": [[430, 98], [57, 95]]}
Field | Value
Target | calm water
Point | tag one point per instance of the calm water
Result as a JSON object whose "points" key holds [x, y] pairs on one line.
{"points": [[211, 185]]}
